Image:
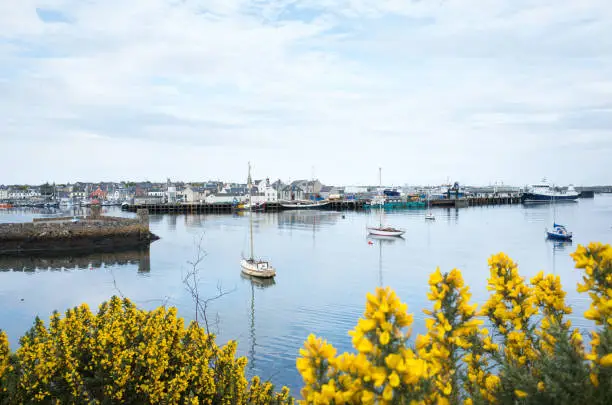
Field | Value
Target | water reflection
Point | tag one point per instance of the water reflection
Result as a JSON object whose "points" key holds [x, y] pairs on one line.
{"points": [[307, 219], [383, 240], [172, 222], [86, 261], [260, 284], [559, 248]]}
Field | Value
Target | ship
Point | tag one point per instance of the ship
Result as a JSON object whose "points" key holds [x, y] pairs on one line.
{"points": [[543, 192]]}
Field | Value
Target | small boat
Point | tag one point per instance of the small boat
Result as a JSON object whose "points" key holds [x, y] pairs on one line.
{"points": [[382, 230], [429, 216], [252, 266], [559, 232], [385, 231], [303, 204], [257, 268], [255, 207]]}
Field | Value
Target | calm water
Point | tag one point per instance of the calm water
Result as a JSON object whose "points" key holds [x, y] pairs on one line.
{"points": [[324, 262]]}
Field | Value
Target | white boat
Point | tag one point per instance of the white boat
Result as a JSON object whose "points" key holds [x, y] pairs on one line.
{"points": [[252, 266], [383, 230], [543, 192], [429, 216], [303, 204]]}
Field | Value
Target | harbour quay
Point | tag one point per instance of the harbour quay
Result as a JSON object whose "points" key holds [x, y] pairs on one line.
{"points": [[76, 234]]}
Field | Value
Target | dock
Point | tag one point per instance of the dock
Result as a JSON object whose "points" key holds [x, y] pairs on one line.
{"points": [[337, 205], [227, 208]]}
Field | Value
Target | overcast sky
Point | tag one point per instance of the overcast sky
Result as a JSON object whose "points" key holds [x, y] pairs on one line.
{"points": [[478, 91]]}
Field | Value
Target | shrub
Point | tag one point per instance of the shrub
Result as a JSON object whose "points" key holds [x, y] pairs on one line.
{"points": [[127, 355], [531, 356]]}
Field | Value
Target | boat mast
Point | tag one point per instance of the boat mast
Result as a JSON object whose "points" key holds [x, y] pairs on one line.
{"points": [[381, 200], [250, 210]]}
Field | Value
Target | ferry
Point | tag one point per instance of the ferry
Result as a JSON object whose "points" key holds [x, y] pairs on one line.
{"points": [[543, 192]]}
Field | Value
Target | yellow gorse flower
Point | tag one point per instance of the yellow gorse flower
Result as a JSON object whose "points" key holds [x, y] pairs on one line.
{"points": [[125, 354]]}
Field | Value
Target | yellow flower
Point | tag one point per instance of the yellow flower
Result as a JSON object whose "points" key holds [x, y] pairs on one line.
{"points": [[384, 338], [520, 394], [606, 361], [541, 386], [435, 277]]}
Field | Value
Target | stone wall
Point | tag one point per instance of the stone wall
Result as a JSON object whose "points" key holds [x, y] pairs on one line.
{"points": [[58, 235]]}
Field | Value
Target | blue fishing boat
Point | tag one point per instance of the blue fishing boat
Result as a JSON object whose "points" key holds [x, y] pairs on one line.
{"points": [[559, 232]]}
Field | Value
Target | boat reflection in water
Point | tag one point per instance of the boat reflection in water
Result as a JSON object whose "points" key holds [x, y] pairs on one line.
{"points": [[261, 284], [383, 240], [81, 261]]}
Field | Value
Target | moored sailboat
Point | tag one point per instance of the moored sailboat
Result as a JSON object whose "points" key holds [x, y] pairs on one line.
{"points": [[252, 266], [559, 232], [429, 216], [382, 230]]}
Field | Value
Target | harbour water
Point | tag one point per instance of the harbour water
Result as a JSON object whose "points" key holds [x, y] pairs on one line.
{"points": [[324, 262]]}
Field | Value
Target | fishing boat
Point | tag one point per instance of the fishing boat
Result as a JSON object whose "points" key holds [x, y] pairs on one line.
{"points": [[303, 204], [383, 230], [543, 192], [252, 266]]}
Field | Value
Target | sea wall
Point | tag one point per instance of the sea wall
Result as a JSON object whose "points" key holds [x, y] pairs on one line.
{"points": [[62, 234]]}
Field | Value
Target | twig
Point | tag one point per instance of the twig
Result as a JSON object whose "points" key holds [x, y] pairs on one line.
{"points": [[192, 285]]}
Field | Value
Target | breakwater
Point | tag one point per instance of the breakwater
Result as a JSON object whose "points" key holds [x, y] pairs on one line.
{"points": [[83, 234]]}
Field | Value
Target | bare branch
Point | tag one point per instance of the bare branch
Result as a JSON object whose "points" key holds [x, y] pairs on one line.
{"points": [[191, 280]]}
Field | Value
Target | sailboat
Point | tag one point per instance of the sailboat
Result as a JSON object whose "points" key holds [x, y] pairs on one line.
{"points": [[252, 266], [382, 230], [559, 232], [430, 216]]}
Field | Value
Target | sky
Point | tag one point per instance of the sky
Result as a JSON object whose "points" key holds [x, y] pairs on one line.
{"points": [[468, 90]]}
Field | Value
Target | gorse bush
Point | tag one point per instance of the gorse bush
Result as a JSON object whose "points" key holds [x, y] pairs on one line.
{"points": [[528, 353], [126, 355]]}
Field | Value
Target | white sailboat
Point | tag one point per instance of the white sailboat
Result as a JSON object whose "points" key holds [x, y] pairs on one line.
{"points": [[382, 230], [252, 266], [429, 216]]}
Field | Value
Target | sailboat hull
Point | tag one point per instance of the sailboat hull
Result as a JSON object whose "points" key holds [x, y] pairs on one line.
{"points": [[257, 268], [557, 236], [385, 232]]}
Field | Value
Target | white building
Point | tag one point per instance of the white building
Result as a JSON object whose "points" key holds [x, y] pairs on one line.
{"points": [[23, 194], [4, 193], [194, 194]]}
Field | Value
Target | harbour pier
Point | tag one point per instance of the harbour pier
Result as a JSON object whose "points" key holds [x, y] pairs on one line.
{"points": [[335, 205], [76, 234]]}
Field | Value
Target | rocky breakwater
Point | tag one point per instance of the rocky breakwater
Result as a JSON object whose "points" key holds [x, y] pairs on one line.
{"points": [[67, 235]]}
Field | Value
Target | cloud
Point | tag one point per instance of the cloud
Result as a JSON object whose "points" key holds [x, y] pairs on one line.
{"points": [[418, 87]]}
